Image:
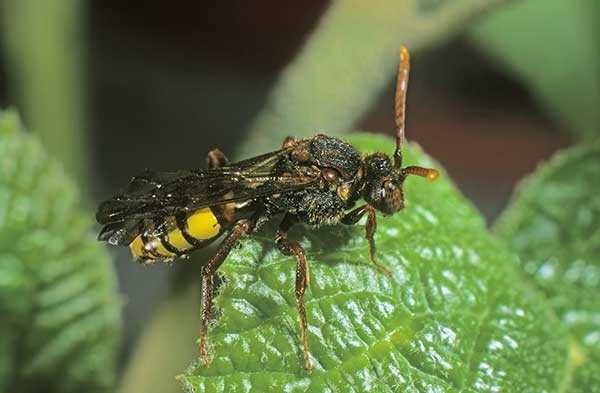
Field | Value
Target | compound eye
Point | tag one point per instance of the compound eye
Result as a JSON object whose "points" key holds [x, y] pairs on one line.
{"points": [[330, 175]]}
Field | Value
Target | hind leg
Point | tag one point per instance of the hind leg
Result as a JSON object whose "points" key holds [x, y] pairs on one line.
{"points": [[241, 228]]}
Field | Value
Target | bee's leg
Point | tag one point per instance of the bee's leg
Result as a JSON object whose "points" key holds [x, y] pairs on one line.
{"points": [[289, 141], [353, 217], [216, 159], [290, 247], [241, 228]]}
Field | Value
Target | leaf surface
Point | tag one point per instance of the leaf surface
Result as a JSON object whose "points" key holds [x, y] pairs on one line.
{"points": [[553, 224], [60, 315]]}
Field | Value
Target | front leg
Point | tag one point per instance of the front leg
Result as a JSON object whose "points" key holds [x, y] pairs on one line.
{"points": [[290, 247], [353, 217]]}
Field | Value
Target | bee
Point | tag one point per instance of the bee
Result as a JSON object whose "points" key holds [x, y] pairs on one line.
{"points": [[315, 181]]}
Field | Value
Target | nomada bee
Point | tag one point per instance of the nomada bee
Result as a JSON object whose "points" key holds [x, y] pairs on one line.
{"points": [[316, 181]]}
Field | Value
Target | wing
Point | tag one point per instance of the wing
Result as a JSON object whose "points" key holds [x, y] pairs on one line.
{"points": [[153, 195]]}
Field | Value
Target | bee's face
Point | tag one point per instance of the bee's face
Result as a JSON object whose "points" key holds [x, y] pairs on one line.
{"points": [[383, 184]]}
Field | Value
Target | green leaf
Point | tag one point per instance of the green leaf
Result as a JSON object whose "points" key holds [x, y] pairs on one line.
{"points": [[553, 46], [350, 57], [553, 224], [60, 315], [453, 317]]}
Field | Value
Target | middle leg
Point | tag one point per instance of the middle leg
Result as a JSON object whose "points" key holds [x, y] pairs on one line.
{"points": [[290, 247]]}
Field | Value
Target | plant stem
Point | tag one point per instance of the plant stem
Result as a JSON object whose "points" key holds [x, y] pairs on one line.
{"points": [[346, 63], [42, 40]]}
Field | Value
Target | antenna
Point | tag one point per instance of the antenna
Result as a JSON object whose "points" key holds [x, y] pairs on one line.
{"points": [[430, 174], [401, 87]]}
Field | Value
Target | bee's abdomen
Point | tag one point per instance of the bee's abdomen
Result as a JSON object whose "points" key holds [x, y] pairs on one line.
{"points": [[178, 235]]}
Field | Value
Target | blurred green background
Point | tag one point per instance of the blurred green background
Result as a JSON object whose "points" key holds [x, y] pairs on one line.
{"points": [[115, 87]]}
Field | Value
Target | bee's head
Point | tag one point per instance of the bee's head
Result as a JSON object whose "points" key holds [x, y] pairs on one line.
{"points": [[384, 182]]}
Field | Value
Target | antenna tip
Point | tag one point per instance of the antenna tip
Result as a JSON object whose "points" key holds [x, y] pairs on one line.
{"points": [[403, 53], [433, 174]]}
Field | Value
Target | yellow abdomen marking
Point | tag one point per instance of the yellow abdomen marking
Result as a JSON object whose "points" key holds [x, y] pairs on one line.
{"points": [[177, 240], [146, 250], [203, 224], [161, 249], [137, 247]]}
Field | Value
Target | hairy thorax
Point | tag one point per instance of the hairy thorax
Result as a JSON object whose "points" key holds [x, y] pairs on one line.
{"points": [[314, 207]]}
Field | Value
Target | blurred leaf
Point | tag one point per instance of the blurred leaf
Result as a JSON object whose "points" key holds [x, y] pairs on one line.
{"points": [[45, 67], [452, 318], [60, 315], [349, 58], [553, 224], [553, 46]]}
